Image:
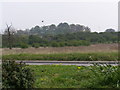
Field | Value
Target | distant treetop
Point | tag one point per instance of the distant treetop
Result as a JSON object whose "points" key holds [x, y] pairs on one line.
{"points": [[61, 28], [110, 30]]}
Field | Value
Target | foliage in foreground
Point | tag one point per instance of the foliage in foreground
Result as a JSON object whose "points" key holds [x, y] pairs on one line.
{"points": [[59, 76], [65, 56], [104, 76], [16, 75]]}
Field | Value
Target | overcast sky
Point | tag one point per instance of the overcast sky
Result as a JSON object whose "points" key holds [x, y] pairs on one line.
{"points": [[99, 16]]}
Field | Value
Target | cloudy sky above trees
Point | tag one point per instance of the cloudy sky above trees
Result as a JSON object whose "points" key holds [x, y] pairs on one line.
{"points": [[99, 16]]}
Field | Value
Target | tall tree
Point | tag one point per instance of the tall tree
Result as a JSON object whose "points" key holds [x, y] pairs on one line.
{"points": [[87, 29], [10, 31], [79, 27], [52, 27], [110, 30], [72, 27]]}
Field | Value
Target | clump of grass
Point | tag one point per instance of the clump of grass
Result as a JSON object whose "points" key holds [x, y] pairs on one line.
{"points": [[64, 56]]}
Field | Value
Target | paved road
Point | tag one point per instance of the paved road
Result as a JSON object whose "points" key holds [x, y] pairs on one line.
{"points": [[78, 63]]}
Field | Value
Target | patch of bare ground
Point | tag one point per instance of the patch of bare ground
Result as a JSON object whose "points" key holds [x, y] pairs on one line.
{"points": [[72, 49]]}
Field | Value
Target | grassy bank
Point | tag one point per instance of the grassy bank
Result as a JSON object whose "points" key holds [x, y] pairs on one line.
{"points": [[65, 56], [58, 76]]}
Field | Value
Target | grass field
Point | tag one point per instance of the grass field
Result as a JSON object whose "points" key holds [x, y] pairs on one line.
{"points": [[58, 76], [97, 52], [113, 56]]}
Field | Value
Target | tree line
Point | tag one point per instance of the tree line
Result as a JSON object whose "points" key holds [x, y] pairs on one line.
{"points": [[52, 29], [61, 28], [56, 36], [61, 40]]}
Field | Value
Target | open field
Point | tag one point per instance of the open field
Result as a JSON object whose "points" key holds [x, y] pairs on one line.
{"points": [[98, 52], [51, 50], [98, 56], [59, 76]]}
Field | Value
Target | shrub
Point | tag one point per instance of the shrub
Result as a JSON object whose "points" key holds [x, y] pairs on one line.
{"points": [[55, 44], [36, 45], [61, 44], [104, 76], [23, 45], [16, 75], [43, 45]]}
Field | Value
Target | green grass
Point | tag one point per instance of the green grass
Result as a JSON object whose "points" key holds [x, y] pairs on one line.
{"points": [[59, 76], [111, 56]]}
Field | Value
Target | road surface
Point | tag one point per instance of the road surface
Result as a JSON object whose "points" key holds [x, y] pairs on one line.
{"points": [[78, 63]]}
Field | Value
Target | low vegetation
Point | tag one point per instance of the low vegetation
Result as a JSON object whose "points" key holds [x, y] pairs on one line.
{"points": [[71, 49], [65, 56], [19, 75], [59, 76]]}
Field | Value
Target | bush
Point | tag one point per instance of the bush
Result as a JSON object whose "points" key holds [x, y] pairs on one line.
{"points": [[43, 45], [55, 44], [104, 76], [36, 45], [16, 75], [62, 44], [23, 45]]}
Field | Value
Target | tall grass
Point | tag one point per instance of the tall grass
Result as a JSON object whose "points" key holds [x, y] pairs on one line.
{"points": [[64, 56], [50, 50]]}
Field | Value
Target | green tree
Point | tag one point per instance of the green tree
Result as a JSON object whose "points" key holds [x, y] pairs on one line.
{"points": [[110, 30]]}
